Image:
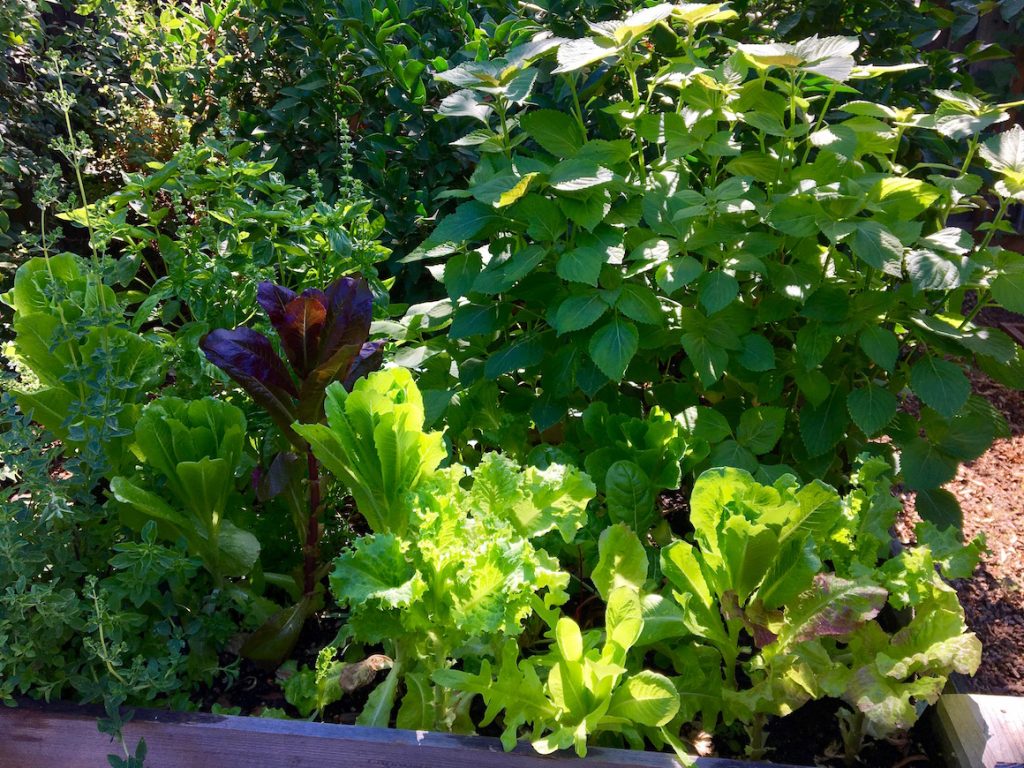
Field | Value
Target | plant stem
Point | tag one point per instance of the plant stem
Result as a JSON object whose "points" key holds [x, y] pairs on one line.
{"points": [[632, 66], [313, 525], [506, 144], [103, 639], [578, 110], [757, 737], [818, 122], [983, 298], [853, 737], [76, 165]]}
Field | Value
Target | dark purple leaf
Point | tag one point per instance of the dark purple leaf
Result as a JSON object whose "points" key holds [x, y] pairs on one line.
{"points": [[369, 359], [286, 470], [349, 313], [274, 299], [248, 358]]}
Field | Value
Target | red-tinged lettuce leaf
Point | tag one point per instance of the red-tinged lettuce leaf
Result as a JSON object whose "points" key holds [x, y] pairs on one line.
{"points": [[298, 320], [832, 607], [349, 313], [300, 333], [248, 358]]}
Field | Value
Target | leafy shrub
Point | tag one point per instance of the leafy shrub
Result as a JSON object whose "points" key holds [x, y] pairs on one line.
{"points": [[202, 230], [750, 243], [85, 375]]}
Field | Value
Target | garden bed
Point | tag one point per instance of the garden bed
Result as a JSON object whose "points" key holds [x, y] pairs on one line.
{"points": [[40, 736], [251, 464]]}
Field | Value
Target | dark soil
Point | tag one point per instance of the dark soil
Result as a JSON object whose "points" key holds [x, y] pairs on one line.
{"points": [[810, 736], [255, 689]]}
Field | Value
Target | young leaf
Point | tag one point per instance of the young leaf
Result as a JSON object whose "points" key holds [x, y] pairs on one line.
{"points": [[622, 561], [630, 497]]}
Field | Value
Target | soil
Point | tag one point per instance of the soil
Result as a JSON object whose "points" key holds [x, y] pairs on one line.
{"points": [[810, 736], [991, 492]]}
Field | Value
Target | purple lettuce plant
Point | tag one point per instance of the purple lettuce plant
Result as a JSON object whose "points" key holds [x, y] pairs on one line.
{"points": [[324, 337]]}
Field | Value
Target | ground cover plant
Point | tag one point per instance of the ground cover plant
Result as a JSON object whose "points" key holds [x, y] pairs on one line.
{"points": [[620, 473]]}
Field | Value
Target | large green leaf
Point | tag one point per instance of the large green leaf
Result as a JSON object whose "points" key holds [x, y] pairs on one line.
{"points": [[376, 569], [760, 428], [708, 359], [578, 174], [1008, 290], [924, 466], [630, 496], [638, 302], [582, 264], [375, 444], [881, 345], [238, 549], [877, 247], [646, 698], [871, 407], [824, 425], [578, 312], [622, 560], [613, 345], [1004, 152], [555, 131], [903, 198], [941, 384]]}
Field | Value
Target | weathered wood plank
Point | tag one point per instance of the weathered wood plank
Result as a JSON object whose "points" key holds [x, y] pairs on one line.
{"points": [[982, 731], [38, 736]]}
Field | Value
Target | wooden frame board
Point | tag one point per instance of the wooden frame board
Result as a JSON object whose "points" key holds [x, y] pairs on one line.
{"points": [[47, 736], [982, 731]]}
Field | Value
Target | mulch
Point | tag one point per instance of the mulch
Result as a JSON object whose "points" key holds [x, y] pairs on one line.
{"points": [[991, 492]]}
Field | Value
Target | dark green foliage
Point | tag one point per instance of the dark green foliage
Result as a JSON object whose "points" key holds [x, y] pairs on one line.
{"points": [[668, 259], [744, 234]]}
